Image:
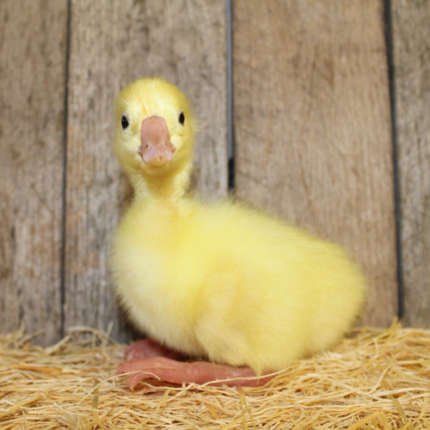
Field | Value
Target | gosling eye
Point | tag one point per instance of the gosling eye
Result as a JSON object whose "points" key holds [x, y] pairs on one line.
{"points": [[124, 122], [181, 118]]}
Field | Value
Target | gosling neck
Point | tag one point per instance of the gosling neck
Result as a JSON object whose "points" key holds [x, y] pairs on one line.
{"points": [[170, 185]]}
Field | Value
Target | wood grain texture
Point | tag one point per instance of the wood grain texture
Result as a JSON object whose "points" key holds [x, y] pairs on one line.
{"points": [[32, 74], [312, 127], [113, 43], [411, 42]]}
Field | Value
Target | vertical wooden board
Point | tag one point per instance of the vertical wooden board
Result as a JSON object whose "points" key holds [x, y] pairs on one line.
{"points": [[411, 42], [32, 70], [312, 125], [113, 43]]}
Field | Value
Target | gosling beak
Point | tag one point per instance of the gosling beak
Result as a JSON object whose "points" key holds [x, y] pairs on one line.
{"points": [[156, 148]]}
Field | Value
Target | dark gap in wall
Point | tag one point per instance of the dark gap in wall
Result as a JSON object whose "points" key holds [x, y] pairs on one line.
{"points": [[230, 119], [64, 191], [397, 197]]}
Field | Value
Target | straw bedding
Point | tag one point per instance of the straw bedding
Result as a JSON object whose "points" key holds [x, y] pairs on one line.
{"points": [[376, 379]]}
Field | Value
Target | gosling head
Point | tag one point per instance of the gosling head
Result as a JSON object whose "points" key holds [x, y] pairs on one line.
{"points": [[154, 128]]}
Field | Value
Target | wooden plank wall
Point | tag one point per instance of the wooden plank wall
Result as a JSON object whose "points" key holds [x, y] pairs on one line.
{"points": [[113, 43], [313, 127], [411, 49], [312, 130], [32, 85]]}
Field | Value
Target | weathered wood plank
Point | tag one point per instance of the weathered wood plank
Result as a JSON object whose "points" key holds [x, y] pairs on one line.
{"points": [[113, 43], [32, 71], [312, 125], [411, 42]]}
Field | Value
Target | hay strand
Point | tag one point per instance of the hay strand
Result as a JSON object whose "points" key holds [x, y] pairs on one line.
{"points": [[376, 379]]}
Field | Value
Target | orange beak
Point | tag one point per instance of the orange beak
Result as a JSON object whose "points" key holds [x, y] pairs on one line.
{"points": [[156, 148]]}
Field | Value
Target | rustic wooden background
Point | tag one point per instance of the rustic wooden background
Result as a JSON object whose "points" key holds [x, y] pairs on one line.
{"points": [[331, 124]]}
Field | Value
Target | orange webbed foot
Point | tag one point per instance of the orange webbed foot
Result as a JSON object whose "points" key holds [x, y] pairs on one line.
{"points": [[148, 359], [198, 372]]}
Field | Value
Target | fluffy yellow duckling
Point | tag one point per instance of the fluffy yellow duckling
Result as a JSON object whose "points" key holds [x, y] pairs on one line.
{"points": [[219, 281]]}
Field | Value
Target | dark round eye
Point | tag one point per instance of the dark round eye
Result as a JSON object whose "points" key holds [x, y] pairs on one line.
{"points": [[182, 118], [124, 122]]}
